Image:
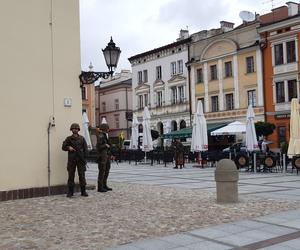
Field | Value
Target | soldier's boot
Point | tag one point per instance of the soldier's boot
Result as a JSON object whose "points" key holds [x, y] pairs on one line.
{"points": [[107, 188], [70, 192], [101, 188], [83, 192]]}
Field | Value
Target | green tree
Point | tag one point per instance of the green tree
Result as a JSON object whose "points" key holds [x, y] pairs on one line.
{"points": [[264, 128]]}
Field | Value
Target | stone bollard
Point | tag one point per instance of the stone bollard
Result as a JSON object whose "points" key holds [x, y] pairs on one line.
{"points": [[226, 176]]}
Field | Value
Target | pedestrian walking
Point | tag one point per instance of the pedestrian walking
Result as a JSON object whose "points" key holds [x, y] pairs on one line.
{"points": [[178, 153], [77, 152], [104, 157]]}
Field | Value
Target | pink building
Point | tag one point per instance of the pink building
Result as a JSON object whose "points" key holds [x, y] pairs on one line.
{"points": [[113, 100]]}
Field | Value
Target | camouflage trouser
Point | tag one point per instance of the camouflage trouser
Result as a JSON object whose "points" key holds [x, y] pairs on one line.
{"points": [[81, 173], [104, 167]]}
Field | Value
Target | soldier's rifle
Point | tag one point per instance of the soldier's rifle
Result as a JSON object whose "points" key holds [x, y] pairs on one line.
{"points": [[77, 152]]}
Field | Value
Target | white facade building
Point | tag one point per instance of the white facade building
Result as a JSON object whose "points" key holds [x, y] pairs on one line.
{"points": [[160, 81]]}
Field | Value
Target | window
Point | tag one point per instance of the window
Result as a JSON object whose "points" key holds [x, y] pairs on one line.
{"points": [[173, 95], [180, 66], [290, 52], [213, 72], [146, 99], [159, 99], [228, 69], [292, 89], [278, 49], [173, 68], [199, 76], [83, 93], [117, 121], [140, 77], [181, 94], [202, 100], [214, 103], [140, 102], [158, 72], [251, 97], [281, 134], [103, 106], [145, 72], [117, 104], [229, 101], [280, 96], [249, 64]]}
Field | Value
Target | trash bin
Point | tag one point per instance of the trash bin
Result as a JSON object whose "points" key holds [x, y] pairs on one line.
{"points": [[226, 177]]}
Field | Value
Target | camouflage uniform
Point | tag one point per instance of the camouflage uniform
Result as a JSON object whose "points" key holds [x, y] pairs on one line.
{"points": [[104, 155], [76, 159]]}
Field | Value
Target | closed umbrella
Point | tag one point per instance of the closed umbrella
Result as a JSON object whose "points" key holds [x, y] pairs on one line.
{"points": [[134, 133], [294, 144], [86, 132], [199, 133], [251, 139], [147, 144]]}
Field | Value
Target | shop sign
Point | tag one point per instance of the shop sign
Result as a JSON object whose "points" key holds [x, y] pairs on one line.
{"points": [[282, 116]]}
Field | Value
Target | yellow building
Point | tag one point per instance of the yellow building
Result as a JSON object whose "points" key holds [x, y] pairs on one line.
{"points": [[226, 72], [40, 94]]}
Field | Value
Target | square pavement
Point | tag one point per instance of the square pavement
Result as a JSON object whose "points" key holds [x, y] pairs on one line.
{"points": [[277, 231]]}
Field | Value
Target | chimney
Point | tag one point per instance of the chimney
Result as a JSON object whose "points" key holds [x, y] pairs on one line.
{"points": [[292, 8], [226, 26], [183, 34]]}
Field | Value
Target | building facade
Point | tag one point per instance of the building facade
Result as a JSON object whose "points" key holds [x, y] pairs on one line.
{"points": [[40, 95], [226, 72], [279, 31], [159, 81], [113, 98]]}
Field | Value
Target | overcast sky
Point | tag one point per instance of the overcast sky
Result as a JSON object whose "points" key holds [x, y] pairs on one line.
{"points": [[141, 25]]}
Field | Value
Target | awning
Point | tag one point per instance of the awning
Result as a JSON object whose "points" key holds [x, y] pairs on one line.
{"points": [[187, 132]]}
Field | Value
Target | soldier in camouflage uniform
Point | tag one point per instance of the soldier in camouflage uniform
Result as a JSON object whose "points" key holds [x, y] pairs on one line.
{"points": [[104, 154], [77, 152]]}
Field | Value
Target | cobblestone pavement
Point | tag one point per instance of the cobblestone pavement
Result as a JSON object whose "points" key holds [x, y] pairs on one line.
{"points": [[129, 213]]}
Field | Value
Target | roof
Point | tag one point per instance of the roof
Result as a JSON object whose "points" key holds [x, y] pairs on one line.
{"points": [[277, 15], [168, 46]]}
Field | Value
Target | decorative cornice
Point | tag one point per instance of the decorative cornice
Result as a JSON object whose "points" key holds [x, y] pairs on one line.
{"points": [[177, 78]]}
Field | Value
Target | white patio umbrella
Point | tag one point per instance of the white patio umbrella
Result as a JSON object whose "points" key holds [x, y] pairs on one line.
{"points": [[294, 144], [251, 139], [134, 133], [199, 132], [147, 144], [231, 129], [85, 129]]}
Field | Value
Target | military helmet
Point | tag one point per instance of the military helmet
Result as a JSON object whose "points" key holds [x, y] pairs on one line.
{"points": [[74, 126], [104, 127]]}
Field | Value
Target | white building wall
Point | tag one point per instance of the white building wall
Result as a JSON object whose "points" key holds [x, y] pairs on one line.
{"points": [[165, 62]]}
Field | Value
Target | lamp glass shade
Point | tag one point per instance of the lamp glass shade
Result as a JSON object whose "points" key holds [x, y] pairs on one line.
{"points": [[111, 54]]}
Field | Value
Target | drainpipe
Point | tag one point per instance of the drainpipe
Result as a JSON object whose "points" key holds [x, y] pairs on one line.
{"points": [[127, 131], [262, 47], [50, 125], [189, 84]]}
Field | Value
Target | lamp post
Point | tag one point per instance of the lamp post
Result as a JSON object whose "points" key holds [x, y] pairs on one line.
{"points": [[111, 54]]}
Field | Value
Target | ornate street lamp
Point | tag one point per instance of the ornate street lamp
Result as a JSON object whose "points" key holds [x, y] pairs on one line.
{"points": [[111, 54]]}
